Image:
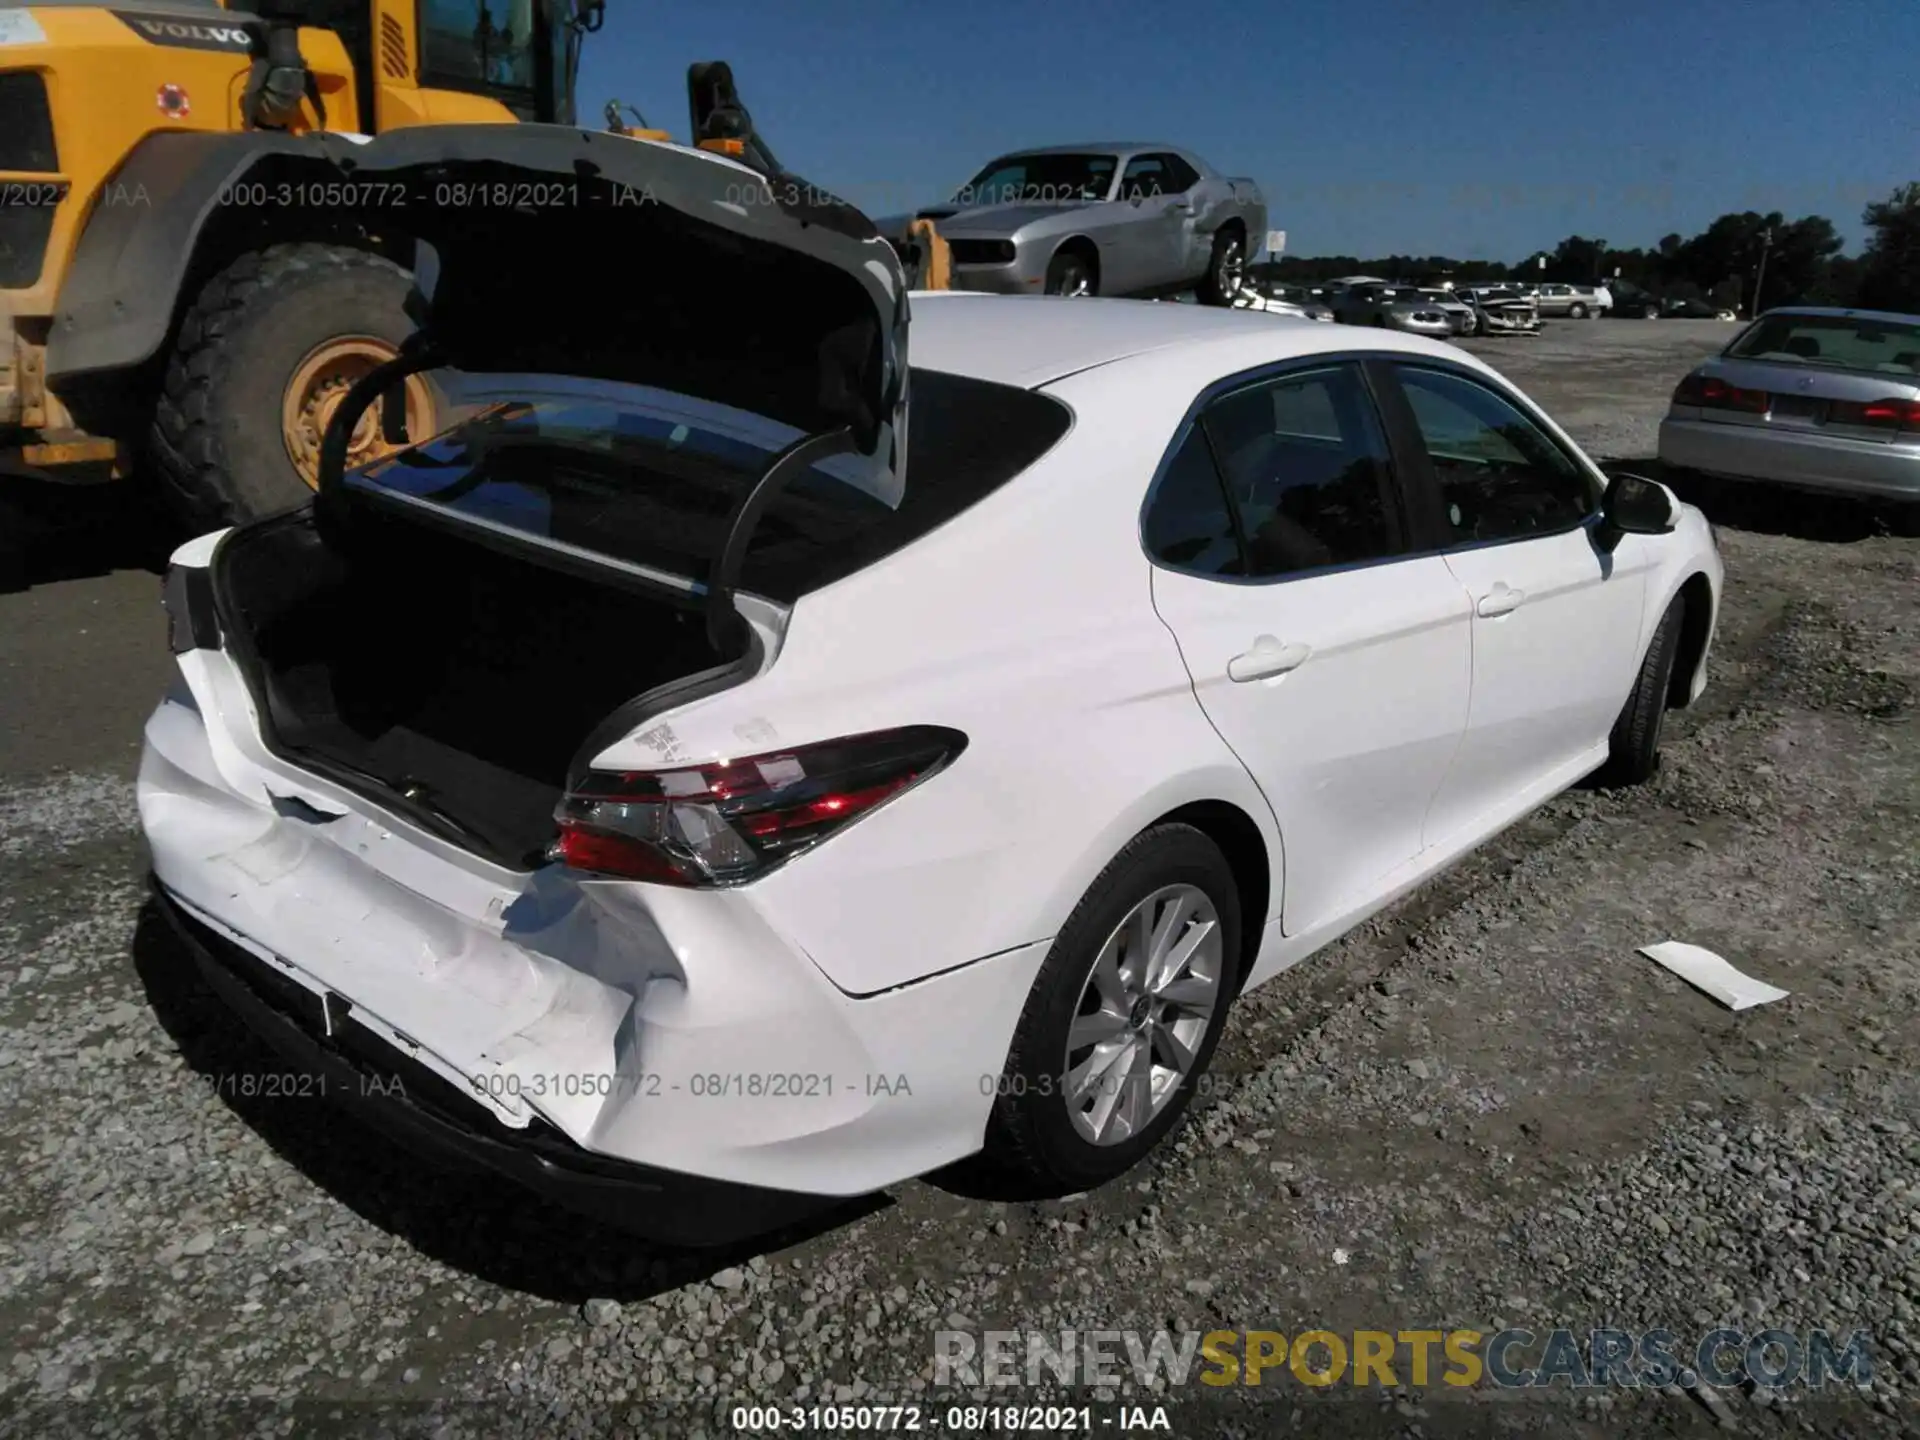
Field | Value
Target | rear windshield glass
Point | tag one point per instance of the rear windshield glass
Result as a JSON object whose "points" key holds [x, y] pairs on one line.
{"points": [[650, 478], [1840, 342]]}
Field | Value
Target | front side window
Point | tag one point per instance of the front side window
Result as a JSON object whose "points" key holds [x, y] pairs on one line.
{"points": [[1500, 476], [1144, 178], [1039, 179], [1307, 472]]}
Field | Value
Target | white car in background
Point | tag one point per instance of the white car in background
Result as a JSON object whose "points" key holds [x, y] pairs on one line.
{"points": [[1250, 298], [1572, 302], [717, 789]]}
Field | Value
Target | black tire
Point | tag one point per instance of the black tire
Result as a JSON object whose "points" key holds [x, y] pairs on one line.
{"points": [[1633, 750], [217, 446], [1229, 253], [1031, 1135], [1576, 311], [1071, 273], [1649, 312]]}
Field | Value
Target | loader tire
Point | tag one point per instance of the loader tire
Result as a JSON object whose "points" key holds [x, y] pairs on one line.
{"points": [[229, 443]]}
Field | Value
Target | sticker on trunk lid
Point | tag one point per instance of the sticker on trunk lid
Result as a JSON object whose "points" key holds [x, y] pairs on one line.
{"points": [[662, 741], [756, 732]]}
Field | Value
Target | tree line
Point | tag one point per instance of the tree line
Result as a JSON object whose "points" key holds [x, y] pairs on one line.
{"points": [[1804, 263]]}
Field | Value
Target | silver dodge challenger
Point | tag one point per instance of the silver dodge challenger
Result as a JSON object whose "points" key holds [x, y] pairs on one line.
{"points": [[1119, 218]]}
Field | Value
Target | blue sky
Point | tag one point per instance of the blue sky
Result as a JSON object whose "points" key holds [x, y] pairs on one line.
{"points": [[1477, 129]]}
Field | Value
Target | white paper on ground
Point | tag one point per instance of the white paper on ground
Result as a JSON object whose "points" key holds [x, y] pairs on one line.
{"points": [[1707, 972]]}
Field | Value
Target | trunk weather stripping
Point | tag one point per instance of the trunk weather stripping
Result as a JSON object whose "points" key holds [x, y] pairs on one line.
{"points": [[193, 620]]}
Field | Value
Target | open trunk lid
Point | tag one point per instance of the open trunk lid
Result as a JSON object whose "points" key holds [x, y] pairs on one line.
{"points": [[565, 251], [547, 250]]}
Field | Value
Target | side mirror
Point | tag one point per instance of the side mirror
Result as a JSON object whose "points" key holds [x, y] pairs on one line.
{"points": [[1634, 505]]}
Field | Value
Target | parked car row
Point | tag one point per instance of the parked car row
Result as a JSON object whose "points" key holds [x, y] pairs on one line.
{"points": [[1430, 309]]}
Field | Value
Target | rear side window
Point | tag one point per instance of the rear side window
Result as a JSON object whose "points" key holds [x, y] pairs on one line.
{"points": [[651, 479], [1188, 526], [1307, 470]]}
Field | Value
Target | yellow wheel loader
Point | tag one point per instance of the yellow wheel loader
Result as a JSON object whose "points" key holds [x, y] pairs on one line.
{"points": [[173, 296]]}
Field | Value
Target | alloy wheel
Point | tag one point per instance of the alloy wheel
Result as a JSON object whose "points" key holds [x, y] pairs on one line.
{"points": [[1143, 1014], [1233, 266]]}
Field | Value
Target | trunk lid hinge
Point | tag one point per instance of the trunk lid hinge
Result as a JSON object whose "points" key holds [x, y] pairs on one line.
{"points": [[724, 621]]}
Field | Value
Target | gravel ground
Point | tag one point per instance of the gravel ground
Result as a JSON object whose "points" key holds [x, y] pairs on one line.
{"points": [[1481, 1110]]}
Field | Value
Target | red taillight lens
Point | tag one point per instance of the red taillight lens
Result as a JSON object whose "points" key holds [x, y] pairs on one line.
{"points": [[1898, 413], [1689, 390], [732, 820], [1712, 393]]}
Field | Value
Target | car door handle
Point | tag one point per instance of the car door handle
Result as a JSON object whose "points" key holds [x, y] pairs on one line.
{"points": [[1267, 658], [1500, 600]]}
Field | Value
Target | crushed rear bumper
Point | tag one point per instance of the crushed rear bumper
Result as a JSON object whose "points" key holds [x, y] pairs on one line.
{"points": [[424, 1112]]}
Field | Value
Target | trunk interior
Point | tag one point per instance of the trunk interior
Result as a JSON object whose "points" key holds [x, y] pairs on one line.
{"points": [[448, 680]]}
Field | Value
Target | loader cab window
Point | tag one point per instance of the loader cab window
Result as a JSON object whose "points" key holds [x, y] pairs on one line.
{"points": [[513, 51]]}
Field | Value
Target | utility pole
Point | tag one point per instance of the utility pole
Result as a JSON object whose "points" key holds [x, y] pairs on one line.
{"points": [[1766, 243]]}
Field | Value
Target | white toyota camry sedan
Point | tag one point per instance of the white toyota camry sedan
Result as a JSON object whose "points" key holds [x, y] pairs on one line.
{"points": [[758, 754]]}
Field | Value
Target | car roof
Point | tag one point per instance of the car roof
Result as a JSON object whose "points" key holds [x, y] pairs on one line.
{"points": [[1835, 312], [1093, 145], [1034, 340]]}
